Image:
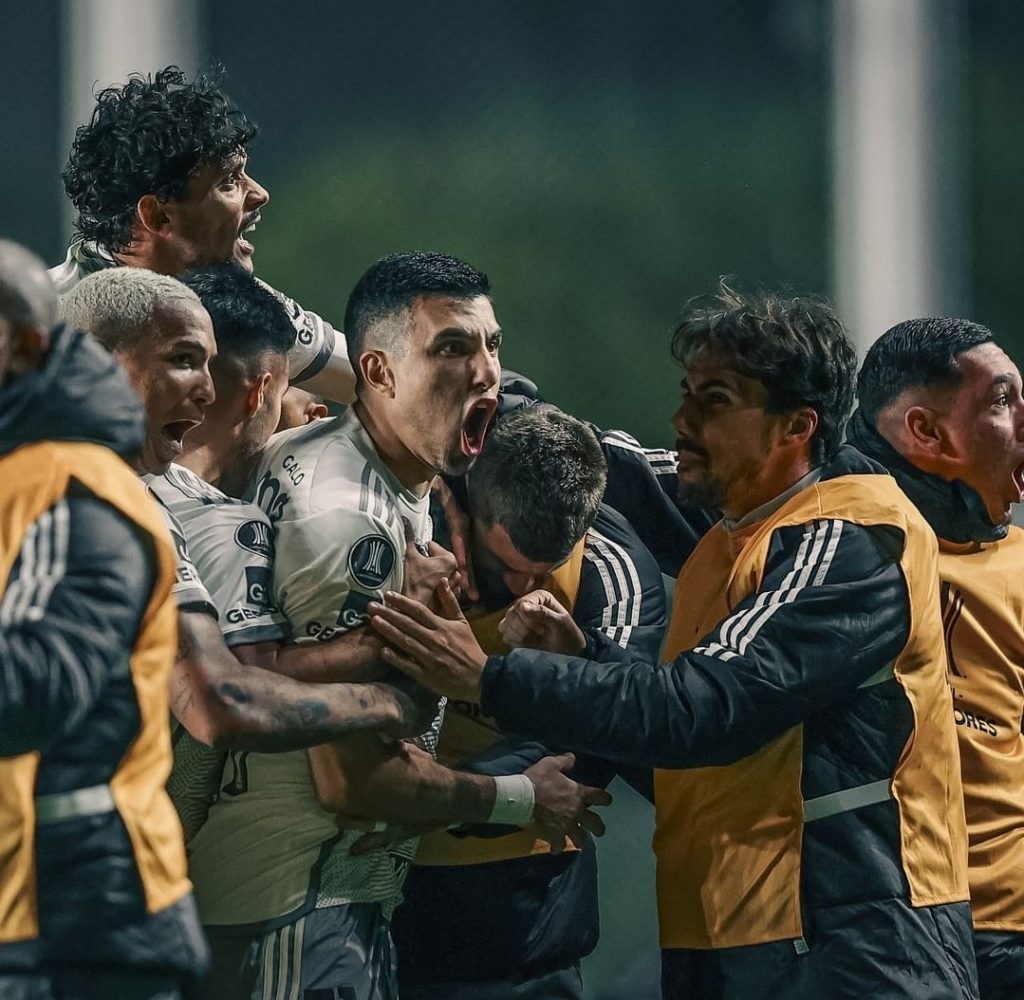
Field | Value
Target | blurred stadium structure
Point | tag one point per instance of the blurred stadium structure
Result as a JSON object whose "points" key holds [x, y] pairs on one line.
{"points": [[603, 162]]}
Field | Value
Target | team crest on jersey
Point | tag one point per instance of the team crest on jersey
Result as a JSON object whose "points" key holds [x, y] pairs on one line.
{"points": [[371, 560], [255, 536]]}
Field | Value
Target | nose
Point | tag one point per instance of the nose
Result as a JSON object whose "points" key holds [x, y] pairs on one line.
{"points": [[204, 393], [488, 369], [519, 583], [257, 196], [683, 422]]}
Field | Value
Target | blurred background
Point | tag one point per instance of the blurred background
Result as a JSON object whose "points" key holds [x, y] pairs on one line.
{"points": [[603, 162]]}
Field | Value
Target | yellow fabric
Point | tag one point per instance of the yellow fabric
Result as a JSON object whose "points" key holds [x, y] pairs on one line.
{"points": [[983, 615], [466, 733], [43, 473], [728, 839]]}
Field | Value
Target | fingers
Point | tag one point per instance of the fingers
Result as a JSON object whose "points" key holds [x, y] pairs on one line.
{"points": [[564, 761], [407, 636], [449, 603], [397, 606], [596, 796], [592, 823], [410, 535]]}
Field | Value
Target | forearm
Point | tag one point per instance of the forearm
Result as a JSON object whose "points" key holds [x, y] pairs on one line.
{"points": [[715, 704], [350, 658], [361, 776]]}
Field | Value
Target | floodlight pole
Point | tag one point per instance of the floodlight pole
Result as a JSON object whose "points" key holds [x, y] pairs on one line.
{"points": [[900, 242], [105, 40]]}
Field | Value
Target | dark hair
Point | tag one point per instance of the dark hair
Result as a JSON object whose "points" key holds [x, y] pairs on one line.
{"points": [[918, 352], [248, 319], [541, 476], [393, 283], [795, 347], [148, 136]]}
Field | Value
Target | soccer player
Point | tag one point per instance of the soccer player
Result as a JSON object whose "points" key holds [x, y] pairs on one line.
{"points": [[424, 340], [810, 834], [94, 898], [500, 916], [159, 179], [161, 335], [941, 409]]}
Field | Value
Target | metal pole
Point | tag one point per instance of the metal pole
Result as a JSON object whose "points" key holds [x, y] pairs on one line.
{"points": [[105, 40], [901, 246]]}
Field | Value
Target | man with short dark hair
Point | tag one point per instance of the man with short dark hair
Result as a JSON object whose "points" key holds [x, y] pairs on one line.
{"points": [[337, 492], [489, 916], [158, 177], [95, 898], [803, 715], [941, 409]]}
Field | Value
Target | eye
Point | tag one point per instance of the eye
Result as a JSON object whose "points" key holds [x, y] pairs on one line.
{"points": [[185, 360], [493, 343]]}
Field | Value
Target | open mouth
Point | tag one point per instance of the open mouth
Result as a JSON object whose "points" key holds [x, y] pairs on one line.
{"points": [[475, 424], [175, 432], [243, 244], [1018, 482]]}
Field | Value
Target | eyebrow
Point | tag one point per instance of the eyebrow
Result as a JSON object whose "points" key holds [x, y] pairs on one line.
{"points": [[461, 333], [1006, 378], [711, 383]]}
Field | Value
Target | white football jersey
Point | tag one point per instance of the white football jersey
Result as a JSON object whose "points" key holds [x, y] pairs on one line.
{"points": [[189, 591], [268, 848], [232, 548], [316, 341]]}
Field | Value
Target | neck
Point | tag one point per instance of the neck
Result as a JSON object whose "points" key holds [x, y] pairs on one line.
{"points": [[206, 462], [413, 474], [771, 481], [140, 253]]}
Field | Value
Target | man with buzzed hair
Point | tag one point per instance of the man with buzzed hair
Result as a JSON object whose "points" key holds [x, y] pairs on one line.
{"points": [[159, 178], [941, 409], [424, 340], [95, 898]]}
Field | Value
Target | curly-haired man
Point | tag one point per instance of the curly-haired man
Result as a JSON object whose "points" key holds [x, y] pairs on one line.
{"points": [[158, 178]]}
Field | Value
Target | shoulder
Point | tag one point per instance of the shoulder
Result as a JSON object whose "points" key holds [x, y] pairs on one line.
{"points": [[613, 546]]}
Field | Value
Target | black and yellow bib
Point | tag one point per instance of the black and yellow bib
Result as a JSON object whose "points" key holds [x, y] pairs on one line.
{"points": [[43, 473], [728, 839]]}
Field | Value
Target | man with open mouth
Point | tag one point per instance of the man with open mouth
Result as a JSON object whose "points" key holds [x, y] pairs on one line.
{"points": [[159, 178], [343, 495], [941, 409]]}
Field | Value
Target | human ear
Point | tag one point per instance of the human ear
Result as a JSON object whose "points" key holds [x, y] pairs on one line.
{"points": [[925, 431], [802, 425], [257, 394], [377, 373], [152, 214]]}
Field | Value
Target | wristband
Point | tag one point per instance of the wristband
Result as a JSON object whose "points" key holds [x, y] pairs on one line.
{"points": [[513, 800]]}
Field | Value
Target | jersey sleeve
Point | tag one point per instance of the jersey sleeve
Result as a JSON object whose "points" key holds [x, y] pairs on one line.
{"points": [[316, 341], [328, 567], [189, 591], [234, 551], [621, 597], [806, 639], [69, 617]]}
